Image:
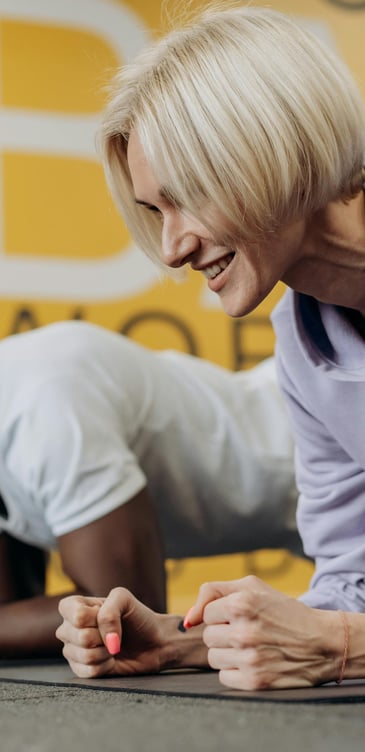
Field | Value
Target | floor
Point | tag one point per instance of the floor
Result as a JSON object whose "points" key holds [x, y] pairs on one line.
{"points": [[41, 718]]}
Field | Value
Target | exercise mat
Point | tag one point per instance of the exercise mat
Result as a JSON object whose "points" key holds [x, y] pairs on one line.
{"points": [[180, 683]]}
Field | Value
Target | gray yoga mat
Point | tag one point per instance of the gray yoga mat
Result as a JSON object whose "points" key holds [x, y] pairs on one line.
{"points": [[179, 683]]}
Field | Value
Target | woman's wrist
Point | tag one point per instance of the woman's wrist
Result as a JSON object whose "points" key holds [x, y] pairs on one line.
{"points": [[342, 645], [181, 649], [326, 645], [355, 662]]}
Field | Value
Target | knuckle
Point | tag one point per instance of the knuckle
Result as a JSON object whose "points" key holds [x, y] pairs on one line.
{"points": [[247, 635], [86, 671], [88, 659], [205, 589], [251, 600], [119, 591], [59, 633], [66, 653], [107, 621], [87, 638], [236, 605], [89, 671], [212, 658], [79, 615], [253, 658], [112, 604], [252, 581], [208, 636], [238, 636], [260, 681], [243, 603], [64, 604]]}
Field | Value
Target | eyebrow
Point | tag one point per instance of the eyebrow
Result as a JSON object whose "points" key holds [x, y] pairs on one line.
{"points": [[165, 193], [142, 203]]}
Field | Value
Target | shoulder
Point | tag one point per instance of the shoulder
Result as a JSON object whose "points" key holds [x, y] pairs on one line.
{"points": [[67, 339], [62, 354]]}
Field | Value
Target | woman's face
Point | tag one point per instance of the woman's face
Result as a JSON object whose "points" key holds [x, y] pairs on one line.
{"points": [[241, 274]]}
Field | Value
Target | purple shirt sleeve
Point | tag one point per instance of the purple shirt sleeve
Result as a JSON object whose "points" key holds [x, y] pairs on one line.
{"points": [[330, 479]]}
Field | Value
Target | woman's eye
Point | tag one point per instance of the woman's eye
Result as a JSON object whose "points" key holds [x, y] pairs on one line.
{"points": [[156, 211]]}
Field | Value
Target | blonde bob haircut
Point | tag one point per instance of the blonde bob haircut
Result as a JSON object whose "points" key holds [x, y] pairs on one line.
{"points": [[242, 114]]}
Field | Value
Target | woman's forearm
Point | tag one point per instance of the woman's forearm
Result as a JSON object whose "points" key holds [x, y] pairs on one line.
{"points": [[27, 627]]}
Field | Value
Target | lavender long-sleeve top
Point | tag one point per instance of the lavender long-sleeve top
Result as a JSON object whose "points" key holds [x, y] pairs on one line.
{"points": [[321, 366]]}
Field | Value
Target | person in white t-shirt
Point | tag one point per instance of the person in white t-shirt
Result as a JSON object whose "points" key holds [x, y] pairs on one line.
{"points": [[121, 457]]}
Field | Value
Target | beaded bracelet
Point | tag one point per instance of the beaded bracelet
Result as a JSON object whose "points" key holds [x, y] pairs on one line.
{"points": [[346, 641]]}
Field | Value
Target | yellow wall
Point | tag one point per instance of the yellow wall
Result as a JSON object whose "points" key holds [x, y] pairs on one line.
{"points": [[64, 253]]}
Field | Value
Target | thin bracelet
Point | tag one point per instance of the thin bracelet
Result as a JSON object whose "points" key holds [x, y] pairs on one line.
{"points": [[346, 641]]}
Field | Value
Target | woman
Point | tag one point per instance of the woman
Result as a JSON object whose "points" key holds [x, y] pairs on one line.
{"points": [[236, 145]]}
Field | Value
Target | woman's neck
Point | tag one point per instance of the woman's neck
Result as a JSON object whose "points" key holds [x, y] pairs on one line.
{"points": [[332, 266], [341, 225]]}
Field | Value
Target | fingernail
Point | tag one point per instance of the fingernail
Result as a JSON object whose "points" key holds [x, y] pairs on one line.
{"points": [[112, 642], [187, 624]]}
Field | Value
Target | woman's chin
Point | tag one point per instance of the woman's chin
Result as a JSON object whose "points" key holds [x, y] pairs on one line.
{"points": [[237, 308]]}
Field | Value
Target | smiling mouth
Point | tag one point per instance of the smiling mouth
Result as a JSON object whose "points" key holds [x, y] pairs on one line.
{"points": [[210, 272]]}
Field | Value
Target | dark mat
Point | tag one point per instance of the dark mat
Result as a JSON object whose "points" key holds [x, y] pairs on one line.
{"points": [[179, 683]]}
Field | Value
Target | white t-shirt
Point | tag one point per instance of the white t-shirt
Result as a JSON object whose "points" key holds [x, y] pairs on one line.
{"points": [[88, 418]]}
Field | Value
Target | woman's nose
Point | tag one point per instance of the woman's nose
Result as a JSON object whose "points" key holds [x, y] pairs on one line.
{"points": [[179, 242]]}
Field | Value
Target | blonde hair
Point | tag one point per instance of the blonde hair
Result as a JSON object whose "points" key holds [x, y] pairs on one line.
{"points": [[241, 110]]}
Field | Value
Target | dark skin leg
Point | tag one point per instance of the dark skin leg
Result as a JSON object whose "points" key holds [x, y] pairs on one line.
{"points": [[122, 548]]}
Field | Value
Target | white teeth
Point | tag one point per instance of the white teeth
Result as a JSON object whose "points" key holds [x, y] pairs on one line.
{"points": [[211, 271]]}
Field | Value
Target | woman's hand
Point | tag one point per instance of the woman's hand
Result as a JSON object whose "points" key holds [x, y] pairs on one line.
{"points": [[259, 638], [120, 621]]}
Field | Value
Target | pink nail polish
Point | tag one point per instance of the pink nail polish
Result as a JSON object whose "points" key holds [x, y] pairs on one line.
{"points": [[112, 643]]}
